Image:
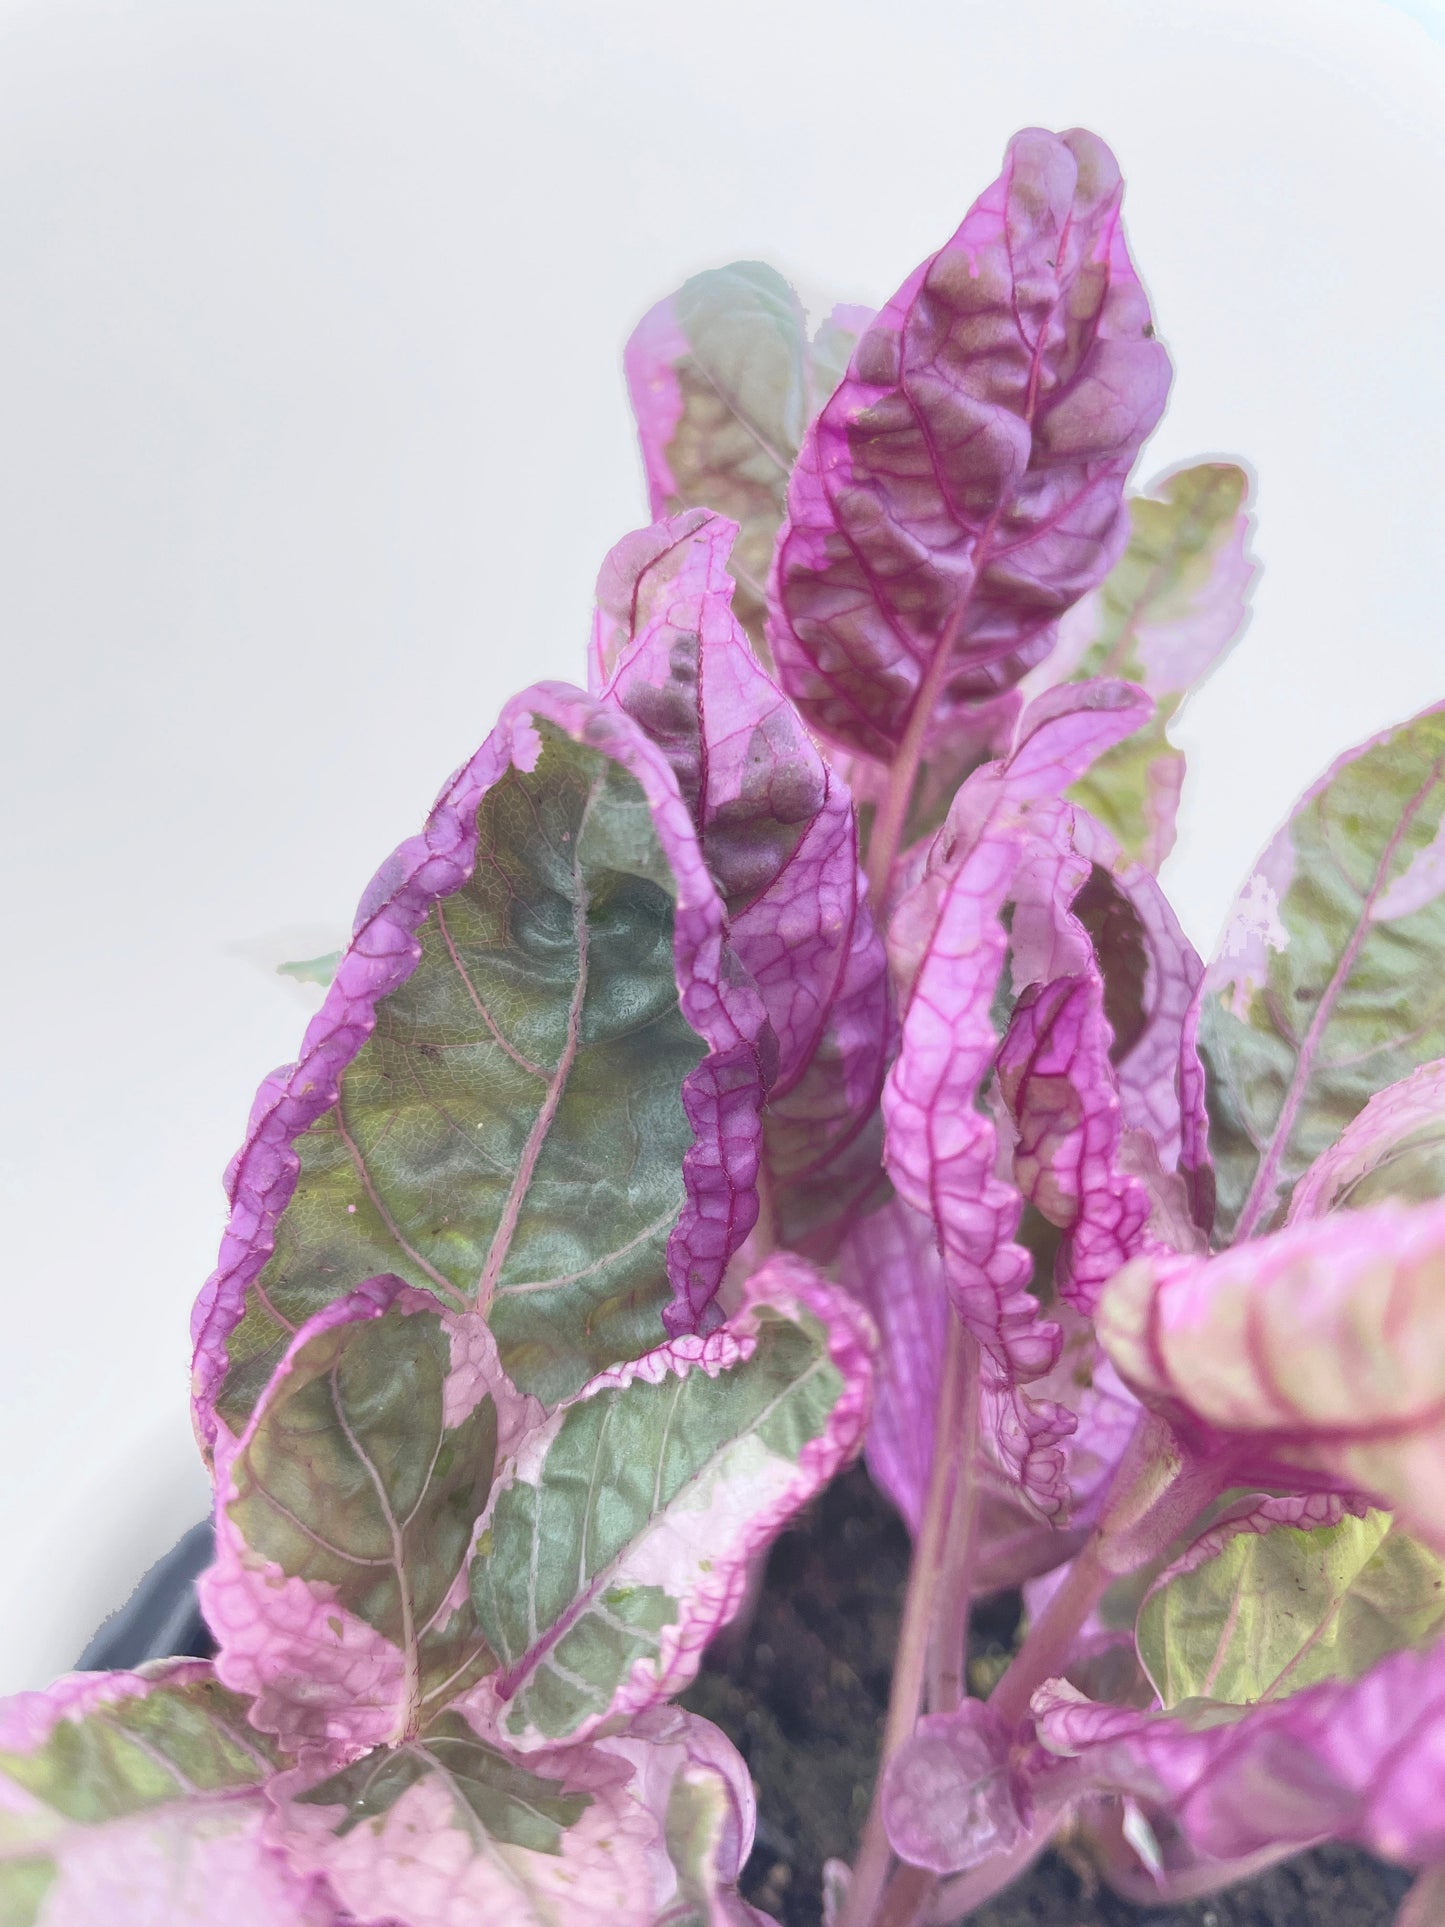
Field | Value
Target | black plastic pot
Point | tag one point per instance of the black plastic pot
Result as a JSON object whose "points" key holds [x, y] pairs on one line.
{"points": [[162, 1618]]}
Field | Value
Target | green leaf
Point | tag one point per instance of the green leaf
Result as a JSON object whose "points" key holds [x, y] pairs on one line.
{"points": [[1165, 617], [361, 1477], [126, 1755], [312, 970], [1259, 1609], [132, 1798], [507, 1803], [623, 1540], [1327, 985], [730, 350], [512, 1132]]}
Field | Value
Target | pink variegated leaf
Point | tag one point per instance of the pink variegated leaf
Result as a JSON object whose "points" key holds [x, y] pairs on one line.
{"points": [[1314, 1358], [947, 946], [136, 1800], [777, 831], [621, 1537], [964, 485], [950, 1796], [1170, 609], [1327, 987], [1391, 1150], [1357, 1760], [723, 380], [534, 1086], [345, 1519], [1056, 1078], [649, 1828]]}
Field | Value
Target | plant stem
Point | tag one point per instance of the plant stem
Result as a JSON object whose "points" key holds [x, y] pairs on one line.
{"points": [[948, 1651], [952, 1469], [1424, 1905], [906, 1896], [1047, 1643], [892, 815], [954, 1900]]}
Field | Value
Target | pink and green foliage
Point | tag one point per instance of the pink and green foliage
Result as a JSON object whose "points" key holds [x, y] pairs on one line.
{"points": [[784, 1050]]}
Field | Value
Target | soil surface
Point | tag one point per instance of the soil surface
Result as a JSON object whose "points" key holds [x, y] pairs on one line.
{"points": [[803, 1693]]}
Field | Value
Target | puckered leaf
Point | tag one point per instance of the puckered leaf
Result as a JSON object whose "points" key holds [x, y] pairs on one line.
{"points": [[723, 381], [776, 827], [964, 484], [947, 946], [1315, 1354], [1151, 972], [534, 1084], [648, 1829], [890, 1261], [1284, 1593], [345, 1518], [691, 1776], [949, 1802], [1358, 1760], [622, 1539], [1056, 1078], [1327, 985], [1166, 615], [449, 1827], [1395, 1148], [136, 1798]]}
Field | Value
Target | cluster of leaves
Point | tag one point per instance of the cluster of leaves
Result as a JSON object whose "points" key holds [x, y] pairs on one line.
{"points": [[786, 1049]]}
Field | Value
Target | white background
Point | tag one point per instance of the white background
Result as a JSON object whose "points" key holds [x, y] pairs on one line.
{"points": [[312, 435]]}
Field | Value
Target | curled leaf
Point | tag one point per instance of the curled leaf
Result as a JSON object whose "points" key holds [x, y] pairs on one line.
{"points": [[964, 484], [948, 945], [1358, 1760], [533, 1087], [1316, 1354], [777, 831], [137, 1798], [1327, 984], [949, 1802], [1393, 1149], [723, 381], [621, 1540]]}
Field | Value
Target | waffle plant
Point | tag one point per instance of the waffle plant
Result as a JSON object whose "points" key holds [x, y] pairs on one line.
{"points": [[782, 1049]]}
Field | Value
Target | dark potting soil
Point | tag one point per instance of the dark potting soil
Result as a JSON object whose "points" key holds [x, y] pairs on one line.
{"points": [[802, 1693]]}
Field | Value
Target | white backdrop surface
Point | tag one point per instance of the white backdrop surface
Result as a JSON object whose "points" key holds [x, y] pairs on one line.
{"points": [[313, 433]]}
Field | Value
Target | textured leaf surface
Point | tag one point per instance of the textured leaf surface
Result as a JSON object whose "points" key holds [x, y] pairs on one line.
{"points": [[1318, 1352], [1359, 1760], [723, 381], [947, 947], [534, 1084], [890, 1262], [1327, 985], [1166, 615], [1151, 972], [964, 484], [345, 1519], [1292, 1592], [690, 1775], [135, 1798], [777, 830], [1395, 1148], [622, 1541], [948, 1797], [448, 1828]]}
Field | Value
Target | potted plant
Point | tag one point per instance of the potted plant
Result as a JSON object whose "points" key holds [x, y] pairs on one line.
{"points": [[783, 1050]]}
